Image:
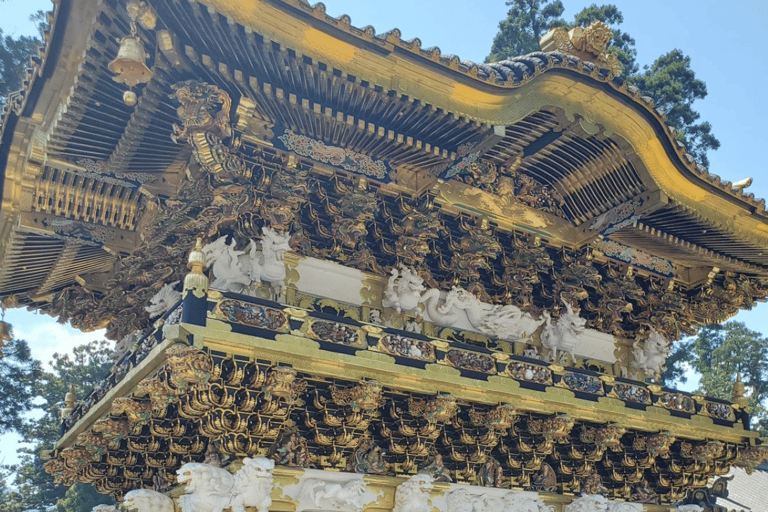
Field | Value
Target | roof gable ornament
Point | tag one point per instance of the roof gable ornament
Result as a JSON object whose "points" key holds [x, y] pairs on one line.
{"points": [[588, 44]]}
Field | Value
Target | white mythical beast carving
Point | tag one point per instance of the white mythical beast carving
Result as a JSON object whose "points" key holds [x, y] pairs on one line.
{"points": [[236, 271], [163, 300], [347, 495], [465, 500], [413, 494], [650, 358], [503, 321], [524, 502], [125, 344], [104, 508], [253, 485], [274, 245], [208, 488], [233, 270], [564, 335], [623, 506], [588, 503], [146, 500], [403, 290]]}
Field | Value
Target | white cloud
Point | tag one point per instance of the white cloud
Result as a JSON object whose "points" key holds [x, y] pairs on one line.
{"points": [[47, 337]]}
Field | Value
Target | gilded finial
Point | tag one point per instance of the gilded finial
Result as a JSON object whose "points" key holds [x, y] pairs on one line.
{"points": [[70, 399], [196, 281], [737, 394]]}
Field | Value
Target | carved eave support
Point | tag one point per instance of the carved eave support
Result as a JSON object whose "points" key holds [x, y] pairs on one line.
{"points": [[111, 239]]}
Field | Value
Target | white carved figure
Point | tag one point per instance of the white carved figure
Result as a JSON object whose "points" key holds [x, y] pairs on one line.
{"points": [[274, 245], [208, 488], [347, 495], [230, 272], [623, 506], [163, 300], [564, 335], [253, 485], [447, 314], [524, 502], [251, 263], [412, 325], [650, 358], [413, 494], [531, 351], [173, 319], [403, 291], [125, 344], [503, 321], [494, 500], [146, 500], [104, 508], [375, 317], [509, 322], [688, 508], [236, 271], [588, 503]]}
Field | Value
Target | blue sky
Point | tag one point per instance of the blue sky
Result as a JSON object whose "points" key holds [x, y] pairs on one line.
{"points": [[725, 41]]}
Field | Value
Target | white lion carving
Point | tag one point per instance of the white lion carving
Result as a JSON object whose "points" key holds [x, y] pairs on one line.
{"points": [[650, 358], [208, 488], [146, 500], [403, 290], [564, 335], [253, 485], [588, 503], [163, 300], [347, 495], [413, 494]]}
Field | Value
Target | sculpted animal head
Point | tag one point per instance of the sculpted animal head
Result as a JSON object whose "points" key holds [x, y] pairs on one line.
{"points": [[204, 478], [275, 242], [212, 249], [588, 503], [146, 500], [258, 467], [413, 494], [410, 281], [460, 298], [163, 300], [656, 344]]}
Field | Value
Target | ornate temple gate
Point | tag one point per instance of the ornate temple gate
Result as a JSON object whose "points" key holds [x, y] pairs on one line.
{"points": [[412, 282]]}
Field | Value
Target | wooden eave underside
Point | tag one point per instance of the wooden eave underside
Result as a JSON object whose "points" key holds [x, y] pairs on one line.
{"points": [[390, 100]]}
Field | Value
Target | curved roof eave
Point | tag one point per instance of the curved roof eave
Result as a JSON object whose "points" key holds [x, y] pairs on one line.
{"points": [[503, 93]]}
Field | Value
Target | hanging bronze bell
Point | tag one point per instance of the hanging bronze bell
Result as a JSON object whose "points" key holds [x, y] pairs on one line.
{"points": [[130, 65]]}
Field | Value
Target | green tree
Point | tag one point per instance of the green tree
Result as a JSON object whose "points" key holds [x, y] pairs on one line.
{"points": [[669, 81], [527, 21], [673, 85], [18, 376], [34, 488], [14, 60], [719, 353]]}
